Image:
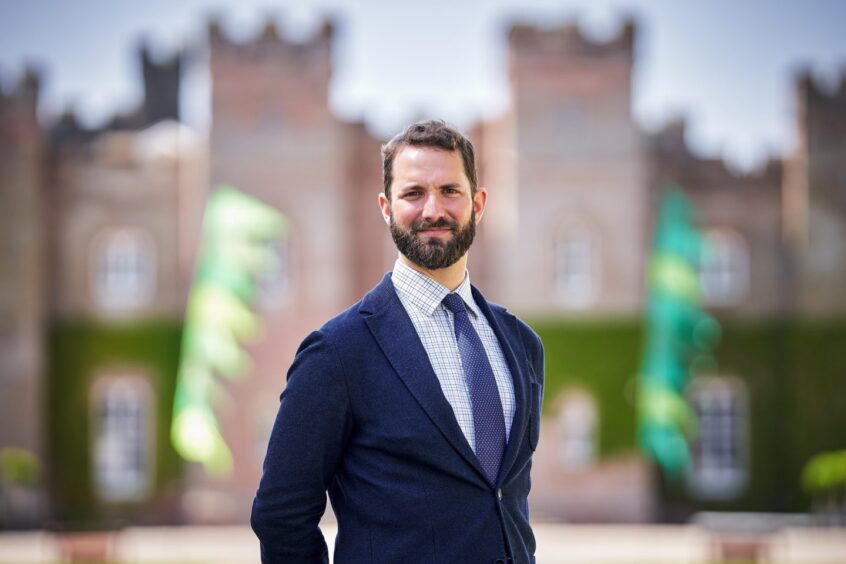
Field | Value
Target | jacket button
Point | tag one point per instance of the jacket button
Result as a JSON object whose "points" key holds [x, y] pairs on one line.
{"points": [[499, 494]]}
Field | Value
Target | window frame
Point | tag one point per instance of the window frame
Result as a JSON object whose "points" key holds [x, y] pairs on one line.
{"points": [[107, 436], [111, 296], [727, 247], [588, 436], [572, 294], [727, 482]]}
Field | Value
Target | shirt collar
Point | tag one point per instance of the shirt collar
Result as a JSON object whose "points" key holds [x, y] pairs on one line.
{"points": [[427, 294]]}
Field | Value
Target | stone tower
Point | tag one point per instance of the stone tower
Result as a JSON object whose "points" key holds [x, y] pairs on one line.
{"points": [[569, 163], [815, 198], [116, 200], [274, 137], [22, 277], [161, 87]]}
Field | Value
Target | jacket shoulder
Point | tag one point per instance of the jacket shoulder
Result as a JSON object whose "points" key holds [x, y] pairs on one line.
{"points": [[530, 338], [351, 321], [344, 324]]}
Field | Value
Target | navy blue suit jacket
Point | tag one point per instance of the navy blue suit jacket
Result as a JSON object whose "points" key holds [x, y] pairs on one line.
{"points": [[363, 418]]}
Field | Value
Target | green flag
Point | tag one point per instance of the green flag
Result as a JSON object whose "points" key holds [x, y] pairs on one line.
{"points": [[679, 334], [238, 233]]}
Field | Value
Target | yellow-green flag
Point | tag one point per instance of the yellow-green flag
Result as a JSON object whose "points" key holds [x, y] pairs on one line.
{"points": [[238, 234]]}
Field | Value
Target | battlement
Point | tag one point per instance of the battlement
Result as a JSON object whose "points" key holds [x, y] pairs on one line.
{"points": [[161, 80], [288, 80], [570, 39], [670, 147], [269, 38], [24, 93], [67, 131], [812, 88]]}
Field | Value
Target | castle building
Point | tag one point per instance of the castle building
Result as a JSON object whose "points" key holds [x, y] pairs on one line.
{"points": [[22, 283], [568, 173], [101, 231]]}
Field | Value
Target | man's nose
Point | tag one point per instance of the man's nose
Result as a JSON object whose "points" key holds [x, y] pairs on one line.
{"points": [[432, 208]]}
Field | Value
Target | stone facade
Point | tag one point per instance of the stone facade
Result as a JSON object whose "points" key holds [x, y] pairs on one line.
{"points": [[573, 218], [573, 183], [22, 284], [273, 137], [815, 199], [743, 211]]}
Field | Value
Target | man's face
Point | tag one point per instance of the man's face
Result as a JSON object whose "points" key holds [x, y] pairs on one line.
{"points": [[431, 214]]}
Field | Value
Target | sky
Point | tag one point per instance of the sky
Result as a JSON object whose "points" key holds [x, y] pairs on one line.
{"points": [[727, 67]]}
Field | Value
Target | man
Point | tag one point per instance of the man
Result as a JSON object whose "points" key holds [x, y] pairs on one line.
{"points": [[418, 408]]}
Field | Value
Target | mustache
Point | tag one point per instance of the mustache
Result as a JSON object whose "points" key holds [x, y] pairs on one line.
{"points": [[442, 223]]}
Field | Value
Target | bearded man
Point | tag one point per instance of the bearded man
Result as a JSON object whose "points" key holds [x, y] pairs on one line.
{"points": [[418, 408]]}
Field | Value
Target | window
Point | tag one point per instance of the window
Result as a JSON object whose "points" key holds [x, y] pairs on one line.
{"points": [[274, 283], [724, 268], [124, 274], [576, 268], [719, 450], [122, 447], [576, 423], [263, 416]]}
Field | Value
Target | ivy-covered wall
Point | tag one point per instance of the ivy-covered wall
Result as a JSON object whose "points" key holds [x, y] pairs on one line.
{"points": [[603, 358], [795, 373], [79, 352]]}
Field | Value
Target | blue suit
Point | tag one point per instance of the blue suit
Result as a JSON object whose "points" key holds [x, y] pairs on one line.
{"points": [[363, 417]]}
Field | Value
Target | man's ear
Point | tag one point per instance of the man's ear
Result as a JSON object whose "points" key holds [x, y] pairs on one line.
{"points": [[385, 206], [480, 199]]}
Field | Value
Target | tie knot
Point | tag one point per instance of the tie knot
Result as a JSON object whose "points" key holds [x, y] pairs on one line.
{"points": [[454, 303]]}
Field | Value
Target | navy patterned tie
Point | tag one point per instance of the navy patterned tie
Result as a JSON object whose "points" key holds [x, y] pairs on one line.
{"points": [[488, 419]]}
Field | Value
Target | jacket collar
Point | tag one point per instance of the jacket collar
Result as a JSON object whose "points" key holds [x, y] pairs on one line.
{"points": [[394, 332]]}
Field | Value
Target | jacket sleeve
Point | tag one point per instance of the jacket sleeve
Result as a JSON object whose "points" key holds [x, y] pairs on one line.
{"points": [[305, 446], [534, 347]]}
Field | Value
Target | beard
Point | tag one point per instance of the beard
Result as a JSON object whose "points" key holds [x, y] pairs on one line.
{"points": [[431, 253]]}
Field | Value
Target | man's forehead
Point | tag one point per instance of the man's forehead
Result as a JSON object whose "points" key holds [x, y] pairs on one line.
{"points": [[416, 151], [430, 162]]}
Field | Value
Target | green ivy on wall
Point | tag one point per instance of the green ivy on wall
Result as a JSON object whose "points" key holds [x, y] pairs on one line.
{"points": [[79, 352], [602, 358], [794, 371]]}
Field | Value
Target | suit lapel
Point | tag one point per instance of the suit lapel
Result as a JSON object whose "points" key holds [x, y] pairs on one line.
{"points": [[390, 325], [507, 333]]}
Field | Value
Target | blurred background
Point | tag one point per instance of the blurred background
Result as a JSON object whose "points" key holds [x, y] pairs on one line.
{"points": [[667, 210]]}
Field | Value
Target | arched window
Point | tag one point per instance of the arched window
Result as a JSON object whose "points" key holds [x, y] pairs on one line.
{"points": [[577, 423], [123, 437], [123, 268], [577, 265], [274, 284], [724, 268], [720, 448]]}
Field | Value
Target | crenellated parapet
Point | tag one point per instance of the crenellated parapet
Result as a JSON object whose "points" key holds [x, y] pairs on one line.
{"points": [[819, 164], [23, 95], [162, 78], [270, 82], [569, 39], [674, 160], [562, 65], [821, 116], [812, 88], [270, 41], [19, 127]]}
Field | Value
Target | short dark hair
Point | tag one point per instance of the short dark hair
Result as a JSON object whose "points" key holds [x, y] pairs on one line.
{"points": [[429, 133]]}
